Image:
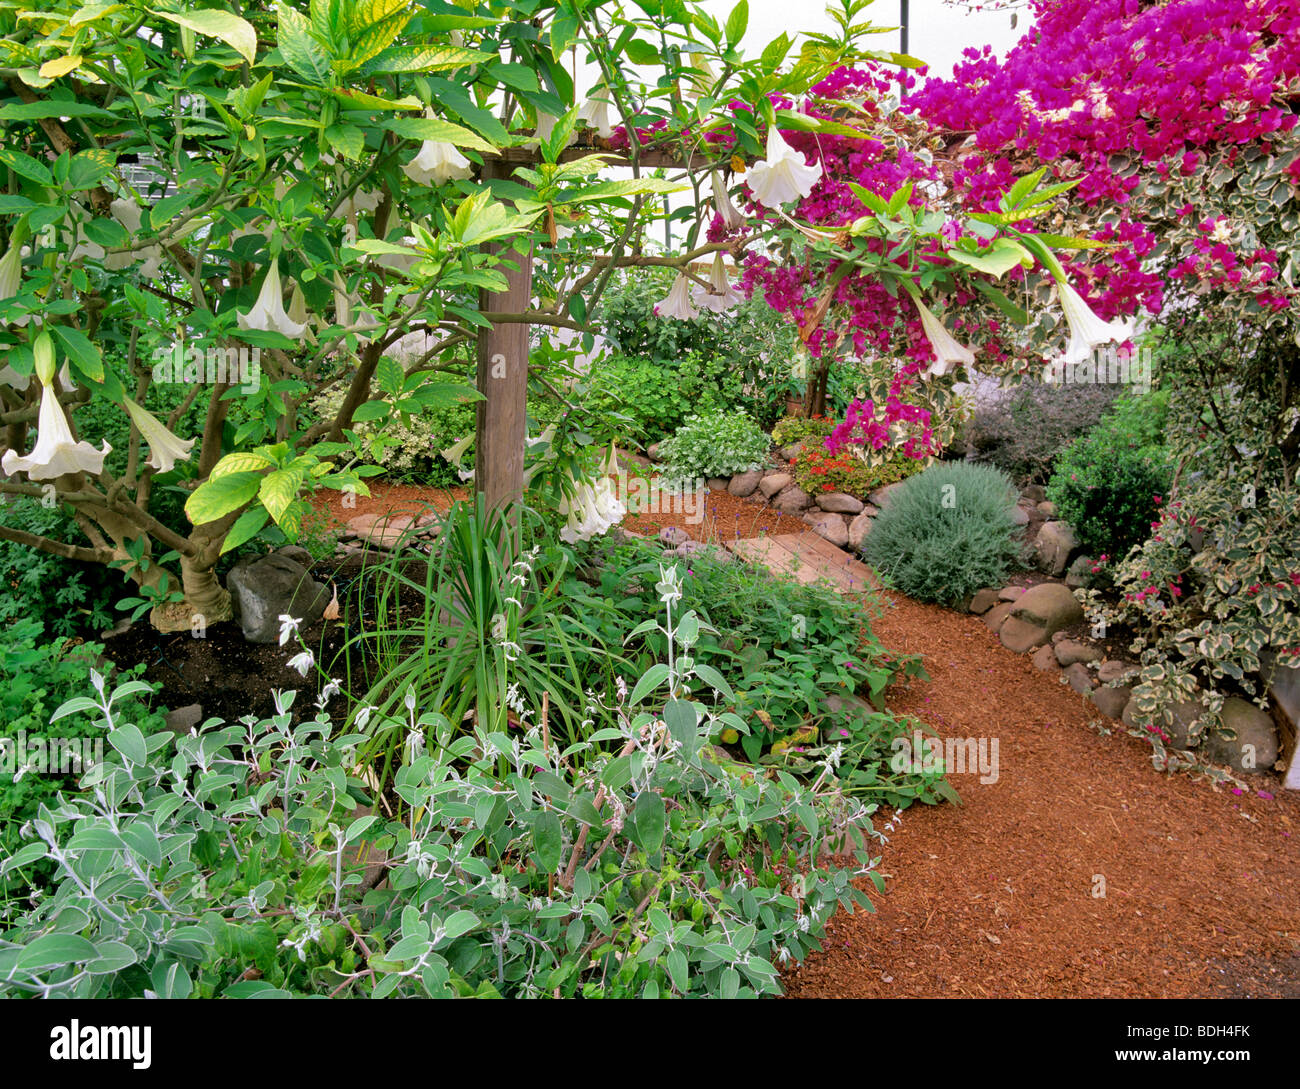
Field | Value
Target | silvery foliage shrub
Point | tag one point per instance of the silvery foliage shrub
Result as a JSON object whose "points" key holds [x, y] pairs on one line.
{"points": [[946, 532], [638, 861], [408, 445], [714, 444]]}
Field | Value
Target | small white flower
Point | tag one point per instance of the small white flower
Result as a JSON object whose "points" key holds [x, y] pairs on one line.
{"points": [[363, 716], [302, 662], [947, 352], [731, 216], [677, 303], [56, 452], [722, 296], [438, 162], [165, 448], [332, 689], [595, 112], [784, 175], [1087, 330], [268, 312], [288, 627]]}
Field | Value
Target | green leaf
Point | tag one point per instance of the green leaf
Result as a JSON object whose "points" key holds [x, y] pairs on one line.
{"points": [[89, 168], [278, 489], [648, 818], [129, 741], [301, 51], [460, 923], [52, 951], [219, 496], [223, 25], [650, 680], [737, 23], [683, 722], [435, 128], [247, 526], [548, 841], [82, 353], [25, 166], [426, 58]]}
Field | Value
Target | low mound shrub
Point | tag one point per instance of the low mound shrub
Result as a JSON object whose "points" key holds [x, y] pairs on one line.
{"points": [[819, 471], [714, 444], [946, 532]]}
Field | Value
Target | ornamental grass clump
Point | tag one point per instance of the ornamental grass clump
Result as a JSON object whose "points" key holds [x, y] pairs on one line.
{"points": [[946, 533]]}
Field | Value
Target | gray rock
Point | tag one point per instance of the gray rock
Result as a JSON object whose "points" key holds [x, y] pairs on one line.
{"points": [[1034, 493], [1247, 739], [652, 452], [296, 553], [792, 500], [792, 451], [1046, 508], [672, 536], [831, 526], [983, 601], [1068, 652], [1021, 636], [839, 503], [774, 484], [1111, 701], [1284, 695], [1055, 545], [1049, 605], [718, 483], [1178, 732], [1019, 516], [859, 528], [184, 719], [688, 549], [744, 484], [272, 586], [1114, 670], [381, 530], [1078, 678], [1010, 593]]}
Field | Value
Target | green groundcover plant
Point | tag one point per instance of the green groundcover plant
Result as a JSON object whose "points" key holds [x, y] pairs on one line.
{"points": [[713, 444]]}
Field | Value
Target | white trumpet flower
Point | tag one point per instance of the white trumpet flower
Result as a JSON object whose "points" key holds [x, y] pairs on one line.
{"points": [[595, 507], [677, 303], [595, 112], [165, 448], [947, 352], [11, 272], [438, 162], [723, 296], [784, 175], [731, 215], [1087, 330], [268, 312], [127, 213], [57, 452]]}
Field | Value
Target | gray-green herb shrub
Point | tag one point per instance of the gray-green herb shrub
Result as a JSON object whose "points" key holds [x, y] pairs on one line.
{"points": [[714, 444], [636, 862], [946, 532]]}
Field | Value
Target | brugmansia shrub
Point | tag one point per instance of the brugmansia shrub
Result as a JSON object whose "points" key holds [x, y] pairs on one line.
{"points": [[945, 533], [641, 862], [714, 444]]}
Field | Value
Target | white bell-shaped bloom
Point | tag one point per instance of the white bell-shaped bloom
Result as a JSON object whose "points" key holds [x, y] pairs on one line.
{"points": [[731, 215], [722, 296], [677, 303], [11, 272], [57, 452], [704, 81], [268, 312], [438, 162], [165, 448], [127, 213], [947, 352], [784, 175], [595, 111], [1087, 330], [594, 508]]}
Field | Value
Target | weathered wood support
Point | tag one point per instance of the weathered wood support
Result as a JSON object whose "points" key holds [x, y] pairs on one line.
{"points": [[502, 426]]}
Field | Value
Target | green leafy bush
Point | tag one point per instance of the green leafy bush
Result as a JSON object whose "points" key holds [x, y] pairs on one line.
{"points": [[642, 863], [714, 444], [68, 597], [1109, 484], [36, 676], [946, 532], [791, 429]]}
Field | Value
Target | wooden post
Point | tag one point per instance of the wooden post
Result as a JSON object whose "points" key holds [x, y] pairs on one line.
{"points": [[502, 426]]}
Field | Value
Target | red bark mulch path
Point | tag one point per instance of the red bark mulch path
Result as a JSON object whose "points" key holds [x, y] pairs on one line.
{"points": [[995, 898]]}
